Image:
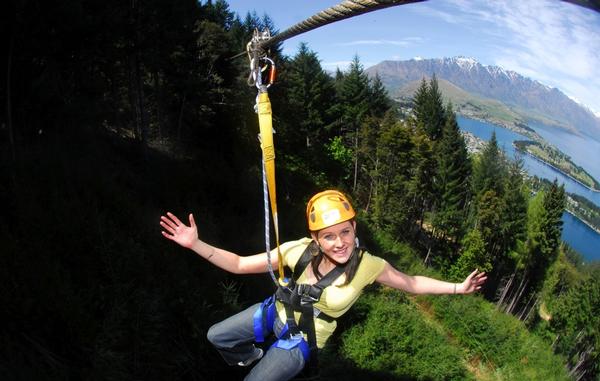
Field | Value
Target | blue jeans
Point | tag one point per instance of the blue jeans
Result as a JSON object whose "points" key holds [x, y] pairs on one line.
{"points": [[234, 339]]}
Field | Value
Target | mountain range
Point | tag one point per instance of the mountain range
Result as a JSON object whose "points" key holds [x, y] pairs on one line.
{"points": [[488, 92]]}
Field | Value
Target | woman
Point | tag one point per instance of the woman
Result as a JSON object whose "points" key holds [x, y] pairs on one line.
{"points": [[331, 254]]}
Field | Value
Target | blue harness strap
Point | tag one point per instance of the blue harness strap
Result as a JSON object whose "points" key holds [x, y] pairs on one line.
{"points": [[292, 342], [264, 318]]}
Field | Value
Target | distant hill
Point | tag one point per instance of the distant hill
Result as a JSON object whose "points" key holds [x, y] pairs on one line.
{"points": [[489, 92]]}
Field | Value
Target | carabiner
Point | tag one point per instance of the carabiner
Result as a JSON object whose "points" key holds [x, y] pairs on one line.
{"points": [[272, 71]]}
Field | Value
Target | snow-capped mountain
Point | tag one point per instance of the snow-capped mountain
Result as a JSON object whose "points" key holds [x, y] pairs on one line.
{"points": [[526, 97]]}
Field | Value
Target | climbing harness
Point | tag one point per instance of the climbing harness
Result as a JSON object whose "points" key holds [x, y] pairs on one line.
{"points": [[297, 297]]}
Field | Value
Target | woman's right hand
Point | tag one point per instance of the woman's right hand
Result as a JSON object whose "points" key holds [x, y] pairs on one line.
{"points": [[177, 231]]}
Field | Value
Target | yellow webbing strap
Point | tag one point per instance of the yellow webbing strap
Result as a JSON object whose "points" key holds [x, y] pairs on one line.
{"points": [[265, 122]]}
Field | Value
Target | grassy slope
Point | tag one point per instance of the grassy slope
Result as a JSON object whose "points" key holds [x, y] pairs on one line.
{"points": [[392, 336]]}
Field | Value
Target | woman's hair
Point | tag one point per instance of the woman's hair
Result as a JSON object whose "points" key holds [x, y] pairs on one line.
{"points": [[350, 267]]}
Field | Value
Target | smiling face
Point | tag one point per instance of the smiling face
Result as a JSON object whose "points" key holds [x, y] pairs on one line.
{"points": [[337, 241]]}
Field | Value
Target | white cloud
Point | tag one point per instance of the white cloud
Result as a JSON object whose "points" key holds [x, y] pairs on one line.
{"points": [[403, 42], [554, 42]]}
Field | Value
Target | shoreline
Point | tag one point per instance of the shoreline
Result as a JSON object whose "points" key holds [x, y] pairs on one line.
{"points": [[557, 169], [531, 135], [583, 221]]}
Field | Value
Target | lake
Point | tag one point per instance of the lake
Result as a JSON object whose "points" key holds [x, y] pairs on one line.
{"points": [[577, 234], [483, 130], [580, 237]]}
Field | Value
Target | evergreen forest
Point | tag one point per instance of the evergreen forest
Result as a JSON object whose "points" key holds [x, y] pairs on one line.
{"points": [[116, 112]]}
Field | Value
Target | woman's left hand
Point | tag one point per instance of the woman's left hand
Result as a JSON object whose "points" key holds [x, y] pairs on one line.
{"points": [[473, 282]]}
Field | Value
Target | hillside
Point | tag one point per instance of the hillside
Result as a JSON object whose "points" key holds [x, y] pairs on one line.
{"points": [[525, 98], [473, 106]]}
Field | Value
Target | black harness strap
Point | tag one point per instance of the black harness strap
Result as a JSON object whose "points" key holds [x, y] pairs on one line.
{"points": [[301, 298]]}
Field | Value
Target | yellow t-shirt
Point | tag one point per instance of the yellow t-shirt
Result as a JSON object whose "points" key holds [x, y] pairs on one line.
{"points": [[335, 299]]}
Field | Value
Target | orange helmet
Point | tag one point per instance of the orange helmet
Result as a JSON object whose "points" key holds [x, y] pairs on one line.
{"points": [[328, 208]]}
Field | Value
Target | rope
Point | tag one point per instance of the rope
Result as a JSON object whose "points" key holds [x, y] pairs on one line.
{"points": [[267, 224], [344, 10]]}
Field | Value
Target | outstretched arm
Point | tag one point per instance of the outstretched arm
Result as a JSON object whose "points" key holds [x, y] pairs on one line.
{"points": [[187, 236], [423, 285]]}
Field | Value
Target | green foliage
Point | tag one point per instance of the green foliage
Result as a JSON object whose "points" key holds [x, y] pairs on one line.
{"points": [[429, 108], [499, 340], [576, 324], [394, 155], [473, 256], [452, 179], [554, 206], [353, 95], [489, 172], [420, 186], [562, 276], [309, 93], [489, 217], [340, 153], [405, 348], [514, 224], [379, 100]]}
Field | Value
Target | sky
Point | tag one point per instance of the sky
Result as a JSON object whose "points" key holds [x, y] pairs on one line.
{"points": [[554, 42]]}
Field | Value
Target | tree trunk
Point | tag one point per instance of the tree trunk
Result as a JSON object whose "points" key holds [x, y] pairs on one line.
{"points": [[524, 315], [578, 370], [517, 296], [505, 290], [427, 256]]}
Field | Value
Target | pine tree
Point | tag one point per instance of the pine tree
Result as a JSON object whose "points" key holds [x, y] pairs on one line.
{"points": [[394, 156], [435, 117], [379, 101], [554, 206], [420, 100], [451, 179], [428, 108], [490, 170], [310, 93], [353, 96], [514, 223], [420, 187]]}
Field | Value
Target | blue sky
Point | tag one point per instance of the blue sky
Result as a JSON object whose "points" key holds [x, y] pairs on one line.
{"points": [[554, 42]]}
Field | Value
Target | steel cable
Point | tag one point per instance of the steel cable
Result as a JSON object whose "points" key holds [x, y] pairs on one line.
{"points": [[344, 10]]}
